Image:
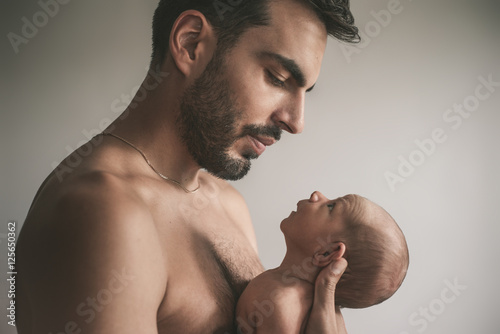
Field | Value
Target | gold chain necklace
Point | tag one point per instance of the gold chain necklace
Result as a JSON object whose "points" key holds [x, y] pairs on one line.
{"points": [[166, 178]]}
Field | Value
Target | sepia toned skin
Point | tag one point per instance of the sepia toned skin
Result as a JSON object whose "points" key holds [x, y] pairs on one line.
{"points": [[114, 248], [288, 290], [319, 232]]}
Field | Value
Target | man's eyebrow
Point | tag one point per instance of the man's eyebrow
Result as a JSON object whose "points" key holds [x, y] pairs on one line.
{"points": [[290, 65]]}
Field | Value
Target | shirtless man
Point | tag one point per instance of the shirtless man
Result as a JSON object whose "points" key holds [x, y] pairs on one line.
{"points": [[143, 235]]}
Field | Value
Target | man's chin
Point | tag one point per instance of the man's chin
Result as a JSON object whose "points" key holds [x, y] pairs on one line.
{"points": [[233, 170]]}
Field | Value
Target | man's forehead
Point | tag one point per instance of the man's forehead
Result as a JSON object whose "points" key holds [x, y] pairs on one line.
{"points": [[296, 19], [294, 33]]}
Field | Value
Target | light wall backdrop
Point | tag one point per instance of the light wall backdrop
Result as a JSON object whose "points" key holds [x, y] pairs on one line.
{"points": [[409, 118]]}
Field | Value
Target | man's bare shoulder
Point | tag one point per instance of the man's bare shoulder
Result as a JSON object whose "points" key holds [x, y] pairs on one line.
{"points": [[93, 206], [77, 237], [93, 193]]}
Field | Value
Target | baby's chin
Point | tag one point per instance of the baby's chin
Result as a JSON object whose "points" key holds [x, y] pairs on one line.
{"points": [[282, 223], [289, 216]]}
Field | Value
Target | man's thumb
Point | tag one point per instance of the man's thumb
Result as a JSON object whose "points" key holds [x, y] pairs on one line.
{"points": [[338, 267], [326, 283]]}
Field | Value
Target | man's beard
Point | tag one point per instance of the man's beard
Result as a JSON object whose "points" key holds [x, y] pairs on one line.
{"points": [[207, 123]]}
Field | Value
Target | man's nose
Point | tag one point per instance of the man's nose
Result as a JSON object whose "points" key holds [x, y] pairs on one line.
{"points": [[290, 117]]}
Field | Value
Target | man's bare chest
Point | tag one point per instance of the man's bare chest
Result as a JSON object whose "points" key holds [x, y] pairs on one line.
{"points": [[209, 262]]}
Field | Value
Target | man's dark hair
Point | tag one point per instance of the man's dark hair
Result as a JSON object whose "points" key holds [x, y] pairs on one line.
{"points": [[231, 18]]}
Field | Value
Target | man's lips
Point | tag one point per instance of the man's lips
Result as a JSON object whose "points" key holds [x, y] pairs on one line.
{"points": [[260, 143]]}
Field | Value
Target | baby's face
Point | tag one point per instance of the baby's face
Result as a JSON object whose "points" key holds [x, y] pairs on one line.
{"points": [[316, 220]]}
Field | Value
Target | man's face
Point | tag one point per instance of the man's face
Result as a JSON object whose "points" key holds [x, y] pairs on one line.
{"points": [[247, 96]]}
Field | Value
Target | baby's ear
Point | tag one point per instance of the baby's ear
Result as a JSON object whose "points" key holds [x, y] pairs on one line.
{"points": [[328, 253]]}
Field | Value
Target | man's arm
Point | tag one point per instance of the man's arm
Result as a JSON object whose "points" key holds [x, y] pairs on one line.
{"points": [[325, 317], [96, 265]]}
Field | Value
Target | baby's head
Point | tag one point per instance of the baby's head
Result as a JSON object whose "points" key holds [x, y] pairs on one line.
{"points": [[376, 252], [358, 230]]}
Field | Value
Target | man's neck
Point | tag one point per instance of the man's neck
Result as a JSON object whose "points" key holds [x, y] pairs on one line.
{"points": [[149, 123]]}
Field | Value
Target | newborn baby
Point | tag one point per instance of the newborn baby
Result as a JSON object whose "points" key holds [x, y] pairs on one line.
{"points": [[321, 231]]}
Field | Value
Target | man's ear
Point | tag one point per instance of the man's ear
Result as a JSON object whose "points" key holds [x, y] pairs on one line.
{"points": [[328, 253], [192, 42]]}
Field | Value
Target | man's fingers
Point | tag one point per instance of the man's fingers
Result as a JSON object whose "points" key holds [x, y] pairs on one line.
{"points": [[338, 267], [325, 317], [327, 281]]}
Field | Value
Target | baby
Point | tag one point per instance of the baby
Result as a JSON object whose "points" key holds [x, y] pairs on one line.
{"points": [[321, 231]]}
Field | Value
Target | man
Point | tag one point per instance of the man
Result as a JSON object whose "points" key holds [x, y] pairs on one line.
{"points": [[143, 235]]}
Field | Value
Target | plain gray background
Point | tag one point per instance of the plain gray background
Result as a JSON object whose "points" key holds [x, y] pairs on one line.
{"points": [[369, 108]]}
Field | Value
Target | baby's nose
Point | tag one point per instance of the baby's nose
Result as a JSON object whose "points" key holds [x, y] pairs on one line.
{"points": [[316, 196]]}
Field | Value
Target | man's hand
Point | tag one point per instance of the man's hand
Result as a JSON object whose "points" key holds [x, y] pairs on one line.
{"points": [[325, 317]]}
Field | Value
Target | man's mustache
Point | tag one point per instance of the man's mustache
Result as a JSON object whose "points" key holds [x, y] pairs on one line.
{"points": [[265, 131]]}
